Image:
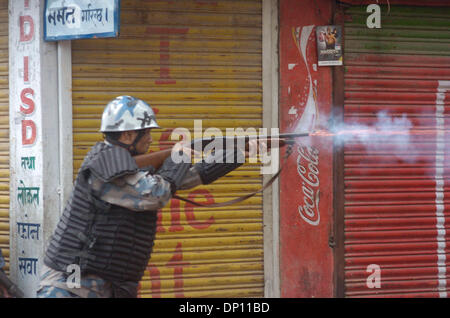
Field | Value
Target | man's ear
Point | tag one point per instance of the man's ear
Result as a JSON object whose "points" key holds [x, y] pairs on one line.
{"points": [[127, 137]]}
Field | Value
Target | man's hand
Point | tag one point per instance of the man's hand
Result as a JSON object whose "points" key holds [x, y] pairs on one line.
{"points": [[186, 149], [251, 148]]}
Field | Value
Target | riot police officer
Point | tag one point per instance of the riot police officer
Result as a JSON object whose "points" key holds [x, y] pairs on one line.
{"points": [[108, 226]]}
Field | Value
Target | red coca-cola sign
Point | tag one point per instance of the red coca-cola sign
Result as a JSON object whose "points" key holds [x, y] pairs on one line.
{"points": [[306, 183]]}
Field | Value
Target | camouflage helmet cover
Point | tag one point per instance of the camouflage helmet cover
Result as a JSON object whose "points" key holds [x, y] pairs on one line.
{"points": [[127, 113]]}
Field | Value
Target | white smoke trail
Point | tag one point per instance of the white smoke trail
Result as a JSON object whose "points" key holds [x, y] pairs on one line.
{"points": [[386, 130]]}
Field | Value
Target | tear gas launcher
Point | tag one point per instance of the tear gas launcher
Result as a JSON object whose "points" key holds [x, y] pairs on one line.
{"points": [[156, 158]]}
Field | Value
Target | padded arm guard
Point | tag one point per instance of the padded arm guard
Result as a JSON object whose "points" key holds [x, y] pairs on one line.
{"points": [[109, 162], [210, 172], [174, 173]]}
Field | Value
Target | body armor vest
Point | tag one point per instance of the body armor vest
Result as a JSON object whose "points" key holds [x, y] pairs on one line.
{"points": [[103, 239]]}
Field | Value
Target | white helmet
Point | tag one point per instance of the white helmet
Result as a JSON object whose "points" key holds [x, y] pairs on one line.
{"points": [[127, 113]]}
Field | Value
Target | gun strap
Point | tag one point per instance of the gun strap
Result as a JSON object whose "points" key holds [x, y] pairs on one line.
{"points": [[245, 197]]}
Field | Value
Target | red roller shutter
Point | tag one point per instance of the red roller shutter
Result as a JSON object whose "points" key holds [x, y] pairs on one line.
{"points": [[396, 194]]}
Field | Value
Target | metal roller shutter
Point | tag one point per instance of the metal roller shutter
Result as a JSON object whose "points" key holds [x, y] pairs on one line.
{"points": [[189, 60], [397, 190], [4, 133]]}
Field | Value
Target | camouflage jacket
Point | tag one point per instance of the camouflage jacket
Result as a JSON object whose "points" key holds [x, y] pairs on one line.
{"points": [[142, 191]]}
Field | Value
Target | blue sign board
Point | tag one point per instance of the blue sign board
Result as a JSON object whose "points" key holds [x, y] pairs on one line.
{"points": [[78, 19]]}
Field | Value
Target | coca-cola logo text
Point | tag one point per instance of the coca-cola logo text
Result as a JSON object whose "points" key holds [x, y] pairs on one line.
{"points": [[308, 170]]}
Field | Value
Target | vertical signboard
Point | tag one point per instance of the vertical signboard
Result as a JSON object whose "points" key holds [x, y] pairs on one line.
{"points": [[25, 160], [28, 142], [306, 200]]}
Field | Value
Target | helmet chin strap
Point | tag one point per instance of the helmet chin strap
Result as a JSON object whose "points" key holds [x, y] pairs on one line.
{"points": [[130, 147]]}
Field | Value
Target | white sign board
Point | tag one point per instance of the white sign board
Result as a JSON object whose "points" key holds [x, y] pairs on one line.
{"points": [[76, 19], [33, 116]]}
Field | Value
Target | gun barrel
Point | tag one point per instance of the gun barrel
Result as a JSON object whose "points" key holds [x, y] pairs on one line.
{"points": [[205, 141], [288, 135]]}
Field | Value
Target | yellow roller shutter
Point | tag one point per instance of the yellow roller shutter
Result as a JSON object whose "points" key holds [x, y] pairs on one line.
{"points": [[4, 133], [189, 60]]}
